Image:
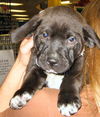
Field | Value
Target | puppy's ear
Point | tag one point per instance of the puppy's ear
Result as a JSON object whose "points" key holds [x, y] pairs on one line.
{"points": [[21, 32], [90, 37]]}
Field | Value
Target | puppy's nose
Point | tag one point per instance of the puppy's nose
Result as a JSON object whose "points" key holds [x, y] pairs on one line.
{"points": [[52, 61]]}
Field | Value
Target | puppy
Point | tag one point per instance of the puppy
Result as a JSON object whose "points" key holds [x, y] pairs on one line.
{"points": [[60, 35]]}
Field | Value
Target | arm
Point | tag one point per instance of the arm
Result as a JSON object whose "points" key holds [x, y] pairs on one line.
{"points": [[69, 101], [34, 79], [14, 78]]}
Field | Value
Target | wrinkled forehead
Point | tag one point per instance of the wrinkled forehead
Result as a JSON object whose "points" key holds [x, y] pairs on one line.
{"points": [[62, 19], [62, 14], [60, 24]]}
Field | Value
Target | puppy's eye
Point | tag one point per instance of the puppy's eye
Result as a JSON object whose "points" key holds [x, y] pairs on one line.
{"points": [[45, 34], [71, 39]]}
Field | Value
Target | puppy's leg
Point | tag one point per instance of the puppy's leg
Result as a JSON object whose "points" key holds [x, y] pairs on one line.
{"points": [[35, 79], [69, 98]]}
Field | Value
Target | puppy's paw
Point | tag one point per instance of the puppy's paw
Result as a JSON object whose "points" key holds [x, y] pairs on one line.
{"points": [[69, 107], [18, 101]]}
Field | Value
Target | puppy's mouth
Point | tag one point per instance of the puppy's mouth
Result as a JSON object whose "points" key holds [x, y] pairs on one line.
{"points": [[51, 71]]}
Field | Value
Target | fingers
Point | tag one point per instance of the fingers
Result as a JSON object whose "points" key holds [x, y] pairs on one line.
{"points": [[26, 45]]}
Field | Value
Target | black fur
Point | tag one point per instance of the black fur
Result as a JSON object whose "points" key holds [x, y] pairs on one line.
{"points": [[59, 49]]}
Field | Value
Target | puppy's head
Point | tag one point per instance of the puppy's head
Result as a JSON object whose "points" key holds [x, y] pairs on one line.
{"points": [[60, 34]]}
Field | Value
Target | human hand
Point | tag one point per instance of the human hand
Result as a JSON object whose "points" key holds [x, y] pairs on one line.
{"points": [[25, 51]]}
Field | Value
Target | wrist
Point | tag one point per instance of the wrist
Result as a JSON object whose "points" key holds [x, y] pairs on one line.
{"points": [[20, 64]]}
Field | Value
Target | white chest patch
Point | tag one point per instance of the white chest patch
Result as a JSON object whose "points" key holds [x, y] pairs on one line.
{"points": [[54, 81]]}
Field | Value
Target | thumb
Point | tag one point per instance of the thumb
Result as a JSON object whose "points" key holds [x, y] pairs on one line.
{"points": [[26, 45]]}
